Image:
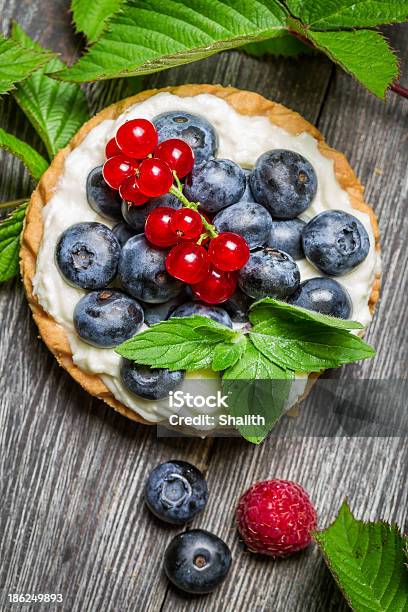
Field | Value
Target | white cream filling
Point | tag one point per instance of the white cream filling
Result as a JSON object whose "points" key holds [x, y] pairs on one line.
{"points": [[242, 139]]}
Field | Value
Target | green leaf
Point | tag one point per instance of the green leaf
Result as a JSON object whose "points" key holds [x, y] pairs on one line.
{"points": [[17, 63], [286, 46], [227, 355], [10, 230], [56, 110], [91, 18], [152, 35], [35, 162], [367, 562]]}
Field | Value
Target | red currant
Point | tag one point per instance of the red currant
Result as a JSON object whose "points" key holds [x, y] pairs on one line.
{"points": [[137, 138], [155, 177], [178, 154], [157, 227], [216, 287], [228, 252], [117, 169], [188, 262], [129, 191], [187, 224], [112, 149]]}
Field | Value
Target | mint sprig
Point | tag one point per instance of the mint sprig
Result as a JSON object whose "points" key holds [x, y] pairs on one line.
{"points": [[92, 18], [34, 162], [17, 63]]}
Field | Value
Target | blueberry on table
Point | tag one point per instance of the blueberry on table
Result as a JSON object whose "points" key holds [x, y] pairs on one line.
{"points": [[197, 561], [335, 242], [205, 310], [123, 232], [216, 184], [238, 306], [248, 219], [287, 236], [136, 216], [149, 383], [193, 129], [101, 198], [325, 295], [107, 318], [269, 273], [175, 492], [284, 182], [87, 255], [142, 271]]}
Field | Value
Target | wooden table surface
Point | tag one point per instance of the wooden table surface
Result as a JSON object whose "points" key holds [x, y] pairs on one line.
{"points": [[73, 519]]}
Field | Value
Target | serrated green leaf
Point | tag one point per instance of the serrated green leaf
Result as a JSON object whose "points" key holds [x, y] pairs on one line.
{"points": [[91, 18], [285, 46], [10, 230], [34, 162], [17, 63], [367, 562], [56, 110], [227, 355], [152, 35]]}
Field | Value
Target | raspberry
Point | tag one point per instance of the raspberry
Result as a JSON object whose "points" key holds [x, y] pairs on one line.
{"points": [[276, 518]]}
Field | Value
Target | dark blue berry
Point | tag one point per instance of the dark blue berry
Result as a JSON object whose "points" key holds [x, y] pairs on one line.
{"points": [[136, 216], [335, 242], [154, 313], [149, 383], [123, 233], [197, 561], [216, 184], [287, 236], [87, 255], [197, 308], [284, 182], [325, 295], [193, 129], [269, 273], [248, 195], [248, 219], [107, 318], [238, 306], [175, 492], [101, 198], [142, 271]]}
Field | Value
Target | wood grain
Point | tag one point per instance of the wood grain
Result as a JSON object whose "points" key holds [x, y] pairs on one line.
{"points": [[72, 516]]}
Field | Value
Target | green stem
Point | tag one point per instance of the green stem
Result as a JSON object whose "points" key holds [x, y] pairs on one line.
{"points": [[177, 191], [12, 203]]}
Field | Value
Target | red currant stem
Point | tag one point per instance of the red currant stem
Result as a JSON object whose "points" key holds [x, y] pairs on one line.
{"points": [[176, 190]]}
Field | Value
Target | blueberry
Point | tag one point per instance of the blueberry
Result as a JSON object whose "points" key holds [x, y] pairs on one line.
{"points": [[335, 242], [149, 383], [248, 219], [142, 271], [107, 318], [175, 492], [197, 561], [136, 216], [123, 233], [216, 184], [269, 273], [101, 198], [287, 236], [154, 313], [248, 195], [325, 295], [193, 129], [238, 306], [197, 308], [87, 255], [284, 182]]}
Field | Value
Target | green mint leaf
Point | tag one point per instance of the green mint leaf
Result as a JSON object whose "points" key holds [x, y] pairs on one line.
{"points": [[10, 230], [367, 562], [285, 46], [152, 35], [227, 355], [17, 63], [56, 110], [35, 162], [91, 18]]}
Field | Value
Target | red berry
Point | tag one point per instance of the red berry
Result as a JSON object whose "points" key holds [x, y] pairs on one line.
{"points": [[188, 262], [216, 287], [178, 154], [137, 138], [187, 224], [157, 227], [228, 252], [112, 149], [276, 517], [117, 169], [155, 177], [129, 191]]}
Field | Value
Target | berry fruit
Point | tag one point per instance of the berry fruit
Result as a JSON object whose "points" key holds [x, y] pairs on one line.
{"points": [[197, 561], [158, 229], [175, 492], [149, 383], [228, 252], [287, 236], [155, 177], [123, 233], [154, 313], [137, 138], [216, 287], [269, 273], [136, 216], [186, 224], [276, 518], [129, 192], [177, 154], [101, 198], [117, 169], [248, 219], [324, 295], [112, 149], [237, 306], [204, 310], [188, 262]]}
